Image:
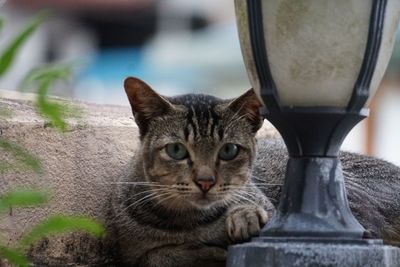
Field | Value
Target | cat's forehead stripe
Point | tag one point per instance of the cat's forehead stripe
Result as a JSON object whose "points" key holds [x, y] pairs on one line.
{"points": [[201, 115]]}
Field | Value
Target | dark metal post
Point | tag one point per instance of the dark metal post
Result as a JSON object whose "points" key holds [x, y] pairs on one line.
{"points": [[313, 225]]}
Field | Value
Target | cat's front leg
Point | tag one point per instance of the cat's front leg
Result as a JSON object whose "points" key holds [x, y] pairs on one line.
{"points": [[245, 221]]}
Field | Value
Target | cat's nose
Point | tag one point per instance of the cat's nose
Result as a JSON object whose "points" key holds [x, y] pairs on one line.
{"points": [[204, 178], [205, 183]]}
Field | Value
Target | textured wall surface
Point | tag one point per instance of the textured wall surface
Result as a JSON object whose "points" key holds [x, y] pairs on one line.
{"points": [[79, 165]]}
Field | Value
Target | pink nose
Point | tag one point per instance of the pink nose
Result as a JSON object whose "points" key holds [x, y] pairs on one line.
{"points": [[205, 185], [204, 177]]}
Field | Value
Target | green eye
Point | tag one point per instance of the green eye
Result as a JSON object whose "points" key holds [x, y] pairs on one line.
{"points": [[228, 151], [176, 151]]}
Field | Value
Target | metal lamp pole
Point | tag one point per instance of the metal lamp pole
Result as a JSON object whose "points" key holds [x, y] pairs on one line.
{"points": [[313, 225]]}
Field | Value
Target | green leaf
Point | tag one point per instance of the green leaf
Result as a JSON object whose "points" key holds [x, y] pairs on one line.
{"points": [[49, 110], [57, 113], [10, 52], [42, 79], [13, 256], [62, 224], [1, 23], [70, 110], [22, 156], [22, 198], [49, 73]]}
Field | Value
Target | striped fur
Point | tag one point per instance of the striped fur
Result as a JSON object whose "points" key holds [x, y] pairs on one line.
{"points": [[160, 216]]}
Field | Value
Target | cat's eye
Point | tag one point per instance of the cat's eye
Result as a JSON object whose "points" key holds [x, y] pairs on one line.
{"points": [[176, 151], [228, 151]]}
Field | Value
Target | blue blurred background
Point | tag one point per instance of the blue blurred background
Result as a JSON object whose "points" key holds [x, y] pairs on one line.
{"points": [[177, 46]]}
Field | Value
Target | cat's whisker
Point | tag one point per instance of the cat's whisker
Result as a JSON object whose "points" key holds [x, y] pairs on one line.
{"points": [[136, 194], [263, 180], [136, 182], [140, 183], [353, 185], [267, 184], [244, 198], [149, 197], [235, 117], [243, 191], [235, 200], [349, 177], [252, 196], [165, 199], [250, 187], [140, 201], [231, 123], [154, 197]]}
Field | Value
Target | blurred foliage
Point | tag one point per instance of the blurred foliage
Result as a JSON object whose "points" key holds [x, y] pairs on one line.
{"points": [[14, 256], [1, 23], [41, 79], [55, 224], [51, 73], [7, 56], [22, 198], [22, 158], [61, 224]]}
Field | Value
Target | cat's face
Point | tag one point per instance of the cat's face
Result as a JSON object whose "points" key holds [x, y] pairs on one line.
{"points": [[197, 150]]}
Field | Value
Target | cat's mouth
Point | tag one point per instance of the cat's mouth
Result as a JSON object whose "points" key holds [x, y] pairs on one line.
{"points": [[203, 196], [201, 199]]}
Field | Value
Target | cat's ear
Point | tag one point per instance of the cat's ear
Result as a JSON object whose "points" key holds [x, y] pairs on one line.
{"points": [[248, 106], [145, 102]]}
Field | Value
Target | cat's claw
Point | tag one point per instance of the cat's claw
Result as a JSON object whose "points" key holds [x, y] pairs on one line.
{"points": [[244, 222]]}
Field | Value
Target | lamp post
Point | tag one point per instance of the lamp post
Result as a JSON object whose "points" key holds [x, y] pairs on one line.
{"points": [[315, 64]]}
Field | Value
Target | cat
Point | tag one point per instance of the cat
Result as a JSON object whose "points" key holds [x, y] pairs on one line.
{"points": [[197, 184], [187, 194]]}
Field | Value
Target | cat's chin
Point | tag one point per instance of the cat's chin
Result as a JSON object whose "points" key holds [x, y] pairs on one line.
{"points": [[196, 200], [204, 201]]}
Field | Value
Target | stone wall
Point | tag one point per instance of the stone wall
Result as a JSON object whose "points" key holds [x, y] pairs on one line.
{"points": [[78, 165]]}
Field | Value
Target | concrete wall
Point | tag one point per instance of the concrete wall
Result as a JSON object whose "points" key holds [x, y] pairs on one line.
{"points": [[78, 165]]}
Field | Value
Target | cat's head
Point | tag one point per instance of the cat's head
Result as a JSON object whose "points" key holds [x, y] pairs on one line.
{"points": [[198, 148]]}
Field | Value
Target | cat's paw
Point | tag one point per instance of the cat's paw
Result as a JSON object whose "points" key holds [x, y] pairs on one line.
{"points": [[244, 222]]}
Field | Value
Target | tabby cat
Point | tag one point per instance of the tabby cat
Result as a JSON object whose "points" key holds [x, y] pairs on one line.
{"points": [[188, 195], [197, 185]]}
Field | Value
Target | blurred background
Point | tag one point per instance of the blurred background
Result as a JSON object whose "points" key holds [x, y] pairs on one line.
{"points": [[177, 46]]}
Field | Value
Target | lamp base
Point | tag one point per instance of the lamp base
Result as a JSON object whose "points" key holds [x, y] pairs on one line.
{"points": [[310, 252], [313, 202]]}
